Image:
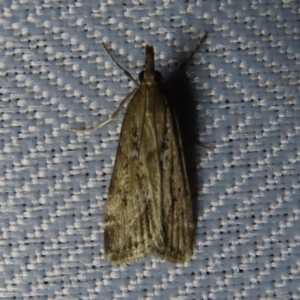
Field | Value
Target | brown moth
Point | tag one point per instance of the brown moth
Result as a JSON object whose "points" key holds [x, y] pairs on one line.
{"points": [[148, 208]]}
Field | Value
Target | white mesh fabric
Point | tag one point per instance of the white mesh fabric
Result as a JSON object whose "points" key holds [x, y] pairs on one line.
{"points": [[240, 97]]}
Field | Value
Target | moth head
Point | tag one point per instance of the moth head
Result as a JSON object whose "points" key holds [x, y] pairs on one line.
{"points": [[157, 76]]}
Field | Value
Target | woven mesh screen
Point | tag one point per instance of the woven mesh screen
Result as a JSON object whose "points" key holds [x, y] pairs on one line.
{"points": [[239, 96]]}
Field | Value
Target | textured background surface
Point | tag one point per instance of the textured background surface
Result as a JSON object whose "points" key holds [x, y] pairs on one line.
{"points": [[240, 96]]}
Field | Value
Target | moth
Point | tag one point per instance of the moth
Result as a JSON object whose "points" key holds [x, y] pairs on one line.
{"points": [[148, 208]]}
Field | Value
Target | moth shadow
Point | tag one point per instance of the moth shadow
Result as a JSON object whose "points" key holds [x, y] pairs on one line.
{"points": [[181, 97]]}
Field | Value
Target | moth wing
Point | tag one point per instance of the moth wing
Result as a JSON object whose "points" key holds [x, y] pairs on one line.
{"points": [[177, 215], [149, 209], [133, 221]]}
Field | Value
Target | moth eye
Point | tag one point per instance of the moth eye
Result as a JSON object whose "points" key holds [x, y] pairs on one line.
{"points": [[141, 76], [158, 76]]}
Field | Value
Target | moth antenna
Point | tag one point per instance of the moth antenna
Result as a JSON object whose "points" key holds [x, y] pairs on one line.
{"points": [[193, 53], [115, 61]]}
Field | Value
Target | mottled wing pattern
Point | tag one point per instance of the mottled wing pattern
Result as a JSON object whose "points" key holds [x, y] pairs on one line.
{"points": [[133, 210], [177, 216], [148, 209]]}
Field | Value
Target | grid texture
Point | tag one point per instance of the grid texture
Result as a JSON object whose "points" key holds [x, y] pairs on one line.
{"points": [[239, 95]]}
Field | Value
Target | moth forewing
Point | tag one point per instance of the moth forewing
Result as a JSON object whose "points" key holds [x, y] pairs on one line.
{"points": [[149, 209]]}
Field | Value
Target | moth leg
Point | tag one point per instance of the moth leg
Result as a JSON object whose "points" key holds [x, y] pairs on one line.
{"points": [[193, 53], [125, 71], [113, 117]]}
